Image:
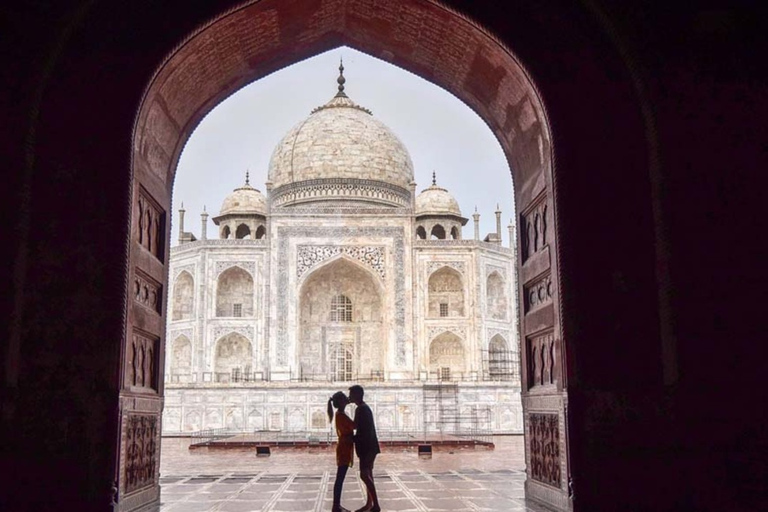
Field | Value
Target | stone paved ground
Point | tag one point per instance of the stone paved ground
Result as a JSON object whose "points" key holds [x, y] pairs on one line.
{"points": [[302, 480]]}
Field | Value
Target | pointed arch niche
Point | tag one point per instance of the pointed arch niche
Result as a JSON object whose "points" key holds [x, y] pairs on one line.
{"points": [[183, 297], [490, 79], [234, 293], [233, 356], [341, 322], [446, 293]]}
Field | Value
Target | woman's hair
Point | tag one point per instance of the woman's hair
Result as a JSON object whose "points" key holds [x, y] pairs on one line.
{"points": [[334, 402]]}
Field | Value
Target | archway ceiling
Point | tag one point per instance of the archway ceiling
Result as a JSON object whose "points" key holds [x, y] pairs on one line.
{"points": [[421, 36]]}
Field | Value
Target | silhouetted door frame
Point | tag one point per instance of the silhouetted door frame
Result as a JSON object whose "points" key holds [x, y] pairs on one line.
{"points": [[143, 348]]}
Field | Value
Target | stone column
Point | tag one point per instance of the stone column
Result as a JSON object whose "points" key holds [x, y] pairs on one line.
{"points": [[204, 225], [476, 217], [498, 224], [182, 211]]}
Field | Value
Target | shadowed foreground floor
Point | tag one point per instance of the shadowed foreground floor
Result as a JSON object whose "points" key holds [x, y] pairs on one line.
{"points": [[302, 480]]}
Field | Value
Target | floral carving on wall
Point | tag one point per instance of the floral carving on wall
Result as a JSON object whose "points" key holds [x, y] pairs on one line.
{"points": [[140, 451], [544, 435], [373, 257]]}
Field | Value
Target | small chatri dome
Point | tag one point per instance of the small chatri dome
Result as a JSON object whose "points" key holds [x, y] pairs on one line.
{"points": [[436, 201], [244, 200]]}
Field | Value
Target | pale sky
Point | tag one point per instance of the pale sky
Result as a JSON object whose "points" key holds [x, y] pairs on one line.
{"points": [[441, 133]]}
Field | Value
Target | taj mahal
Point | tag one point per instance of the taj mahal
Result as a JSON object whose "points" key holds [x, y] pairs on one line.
{"points": [[341, 273]]}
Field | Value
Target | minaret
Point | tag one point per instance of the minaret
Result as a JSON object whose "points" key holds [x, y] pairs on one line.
{"points": [[498, 224], [182, 211], [476, 217], [512, 239], [204, 222]]}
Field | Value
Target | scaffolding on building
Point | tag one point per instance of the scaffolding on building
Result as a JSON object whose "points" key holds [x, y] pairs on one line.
{"points": [[501, 365], [443, 415]]}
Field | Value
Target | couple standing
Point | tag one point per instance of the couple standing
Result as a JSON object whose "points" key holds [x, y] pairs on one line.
{"points": [[365, 442]]}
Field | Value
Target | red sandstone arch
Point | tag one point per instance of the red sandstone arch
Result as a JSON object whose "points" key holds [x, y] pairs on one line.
{"points": [[422, 36]]}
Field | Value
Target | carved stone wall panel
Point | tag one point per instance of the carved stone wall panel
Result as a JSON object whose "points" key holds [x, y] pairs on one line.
{"points": [[504, 333], [286, 233], [309, 256], [436, 265], [538, 293], [535, 232], [141, 450], [248, 266], [182, 268], [188, 333], [435, 331], [543, 364], [147, 292], [151, 225], [544, 439], [246, 331], [142, 361]]}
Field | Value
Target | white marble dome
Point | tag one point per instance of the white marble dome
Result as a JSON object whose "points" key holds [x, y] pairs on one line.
{"points": [[436, 200], [244, 200], [341, 140]]}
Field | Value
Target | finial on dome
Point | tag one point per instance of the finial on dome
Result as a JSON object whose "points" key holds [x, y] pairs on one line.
{"points": [[341, 80], [247, 177], [182, 207], [434, 179]]}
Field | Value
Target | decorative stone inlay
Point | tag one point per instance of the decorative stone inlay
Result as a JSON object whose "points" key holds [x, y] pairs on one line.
{"points": [[339, 188], [537, 293], [181, 332], [183, 268], [373, 257], [147, 292], [490, 269], [544, 435], [462, 243], [248, 266], [246, 331], [286, 233], [542, 363], [436, 265], [504, 334], [435, 331], [140, 451]]}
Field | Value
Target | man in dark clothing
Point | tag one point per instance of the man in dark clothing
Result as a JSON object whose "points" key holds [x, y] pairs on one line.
{"points": [[366, 446]]}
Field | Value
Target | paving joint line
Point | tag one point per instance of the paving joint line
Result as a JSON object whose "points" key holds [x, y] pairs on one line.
{"points": [[459, 497], [408, 493], [323, 490], [278, 493]]}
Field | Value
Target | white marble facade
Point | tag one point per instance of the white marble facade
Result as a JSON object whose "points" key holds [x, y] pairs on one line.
{"points": [[341, 274]]}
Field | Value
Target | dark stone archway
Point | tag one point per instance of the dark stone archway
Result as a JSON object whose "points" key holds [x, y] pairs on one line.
{"points": [[641, 433]]}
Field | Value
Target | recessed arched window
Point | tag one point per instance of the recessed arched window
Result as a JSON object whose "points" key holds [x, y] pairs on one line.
{"points": [[234, 293], [500, 360], [183, 297], [446, 293], [243, 231], [421, 233], [496, 298], [261, 231], [342, 364], [225, 232], [455, 234], [438, 232], [341, 309]]}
